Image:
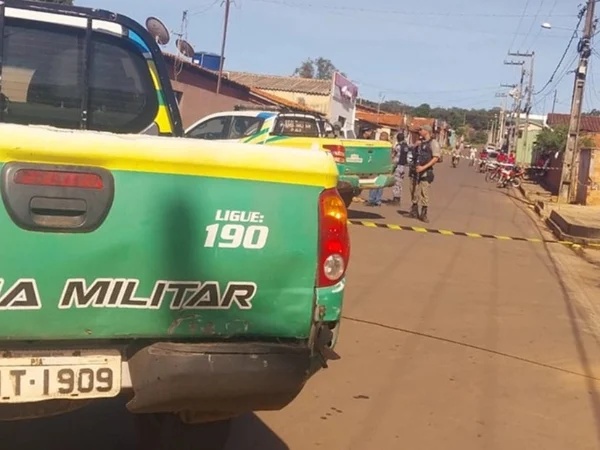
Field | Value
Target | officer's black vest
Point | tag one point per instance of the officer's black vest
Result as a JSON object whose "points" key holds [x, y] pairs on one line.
{"points": [[403, 157], [425, 154]]}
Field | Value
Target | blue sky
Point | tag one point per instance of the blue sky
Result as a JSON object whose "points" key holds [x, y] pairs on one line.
{"points": [[442, 52]]}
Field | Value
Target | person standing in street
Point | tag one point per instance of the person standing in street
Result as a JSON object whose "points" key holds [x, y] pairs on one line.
{"points": [[376, 195], [472, 155], [511, 158], [426, 155], [400, 158]]}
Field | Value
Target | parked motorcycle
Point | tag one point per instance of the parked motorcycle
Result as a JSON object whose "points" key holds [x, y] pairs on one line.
{"points": [[511, 176]]}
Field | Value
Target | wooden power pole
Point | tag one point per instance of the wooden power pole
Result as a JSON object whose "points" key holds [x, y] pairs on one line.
{"points": [[568, 182], [502, 121], [223, 41]]}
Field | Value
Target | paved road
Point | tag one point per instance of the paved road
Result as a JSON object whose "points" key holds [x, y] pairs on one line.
{"points": [[448, 343]]}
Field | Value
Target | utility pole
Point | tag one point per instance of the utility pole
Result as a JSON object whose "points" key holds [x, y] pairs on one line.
{"points": [[529, 94], [502, 120], [381, 99], [517, 105], [492, 134], [568, 183], [224, 40], [554, 101], [506, 117], [496, 130]]}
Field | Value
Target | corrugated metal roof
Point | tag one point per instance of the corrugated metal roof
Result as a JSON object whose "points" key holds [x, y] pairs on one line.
{"points": [[281, 101], [589, 124], [174, 59], [386, 119], [279, 83], [417, 122]]}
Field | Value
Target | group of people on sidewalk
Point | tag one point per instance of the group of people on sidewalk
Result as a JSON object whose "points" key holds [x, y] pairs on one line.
{"points": [[418, 161]]}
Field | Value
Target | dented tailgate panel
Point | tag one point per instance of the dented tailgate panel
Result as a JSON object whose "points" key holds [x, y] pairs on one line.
{"points": [[177, 255]]}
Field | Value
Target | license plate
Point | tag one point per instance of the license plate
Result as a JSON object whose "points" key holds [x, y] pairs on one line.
{"points": [[59, 375]]}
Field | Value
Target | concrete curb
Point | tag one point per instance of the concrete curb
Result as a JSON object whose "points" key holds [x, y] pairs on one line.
{"points": [[539, 207], [524, 193]]}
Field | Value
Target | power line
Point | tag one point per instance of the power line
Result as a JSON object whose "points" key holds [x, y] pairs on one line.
{"points": [[196, 12], [549, 16], [534, 22], [389, 11], [519, 25], [573, 36], [567, 70], [421, 91]]}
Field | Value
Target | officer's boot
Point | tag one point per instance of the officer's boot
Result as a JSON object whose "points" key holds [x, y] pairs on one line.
{"points": [[414, 211], [424, 214]]}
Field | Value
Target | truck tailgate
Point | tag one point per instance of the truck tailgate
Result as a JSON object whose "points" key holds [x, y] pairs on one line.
{"points": [[367, 157], [199, 239]]}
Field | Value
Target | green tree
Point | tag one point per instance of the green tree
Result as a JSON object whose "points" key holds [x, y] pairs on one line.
{"points": [[479, 137], [319, 68], [306, 69], [325, 68], [423, 110], [394, 107], [552, 139]]}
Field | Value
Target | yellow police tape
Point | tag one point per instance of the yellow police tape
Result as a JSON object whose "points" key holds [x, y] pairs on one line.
{"points": [[368, 224]]}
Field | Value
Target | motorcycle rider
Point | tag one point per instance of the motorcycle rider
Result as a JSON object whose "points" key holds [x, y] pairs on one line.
{"points": [[457, 153], [472, 155], [425, 156]]}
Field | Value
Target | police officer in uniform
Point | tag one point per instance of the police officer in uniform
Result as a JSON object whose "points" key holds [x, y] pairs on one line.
{"points": [[425, 156], [400, 158]]}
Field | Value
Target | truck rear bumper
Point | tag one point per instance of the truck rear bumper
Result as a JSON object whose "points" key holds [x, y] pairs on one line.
{"points": [[348, 182], [221, 379], [380, 181]]}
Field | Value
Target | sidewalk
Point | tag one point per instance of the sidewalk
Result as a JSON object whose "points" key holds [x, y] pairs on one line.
{"points": [[575, 223]]}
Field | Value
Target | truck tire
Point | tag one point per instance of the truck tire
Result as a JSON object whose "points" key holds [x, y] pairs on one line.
{"points": [[347, 197], [168, 432]]}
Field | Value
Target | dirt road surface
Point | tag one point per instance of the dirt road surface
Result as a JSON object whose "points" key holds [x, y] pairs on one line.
{"points": [[448, 343]]}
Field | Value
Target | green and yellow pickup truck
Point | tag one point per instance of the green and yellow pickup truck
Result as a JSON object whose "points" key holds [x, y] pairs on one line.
{"points": [[362, 164], [199, 280]]}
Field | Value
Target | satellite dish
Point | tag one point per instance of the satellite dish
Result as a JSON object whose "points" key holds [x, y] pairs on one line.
{"points": [[185, 48], [158, 30]]}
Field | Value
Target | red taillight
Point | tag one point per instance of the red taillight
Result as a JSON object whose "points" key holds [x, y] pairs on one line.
{"points": [[58, 178], [334, 239], [337, 151]]}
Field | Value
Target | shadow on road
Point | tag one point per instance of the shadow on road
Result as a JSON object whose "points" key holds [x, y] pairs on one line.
{"points": [[354, 214], [575, 320], [107, 425], [250, 433], [102, 426]]}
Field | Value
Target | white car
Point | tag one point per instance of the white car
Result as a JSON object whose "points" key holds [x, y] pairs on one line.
{"points": [[258, 126]]}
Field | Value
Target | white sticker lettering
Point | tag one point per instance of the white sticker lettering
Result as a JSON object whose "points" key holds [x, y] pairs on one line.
{"points": [[252, 237]]}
